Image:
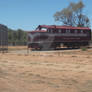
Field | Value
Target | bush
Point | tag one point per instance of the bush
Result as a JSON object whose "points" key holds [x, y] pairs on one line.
{"points": [[84, 48]]}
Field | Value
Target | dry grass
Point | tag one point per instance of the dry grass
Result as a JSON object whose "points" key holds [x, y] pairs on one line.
{"points": [[65, 71], [17, 48]]}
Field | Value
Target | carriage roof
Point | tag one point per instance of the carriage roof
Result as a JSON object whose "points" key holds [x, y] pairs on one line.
{"points": [[63, 27]]}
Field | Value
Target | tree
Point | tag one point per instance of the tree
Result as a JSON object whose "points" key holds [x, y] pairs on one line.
{"points": [[10, 35], [17, 35], [73, 15], [20, 34]]}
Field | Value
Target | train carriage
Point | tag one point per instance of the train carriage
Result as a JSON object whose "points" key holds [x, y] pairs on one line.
{"points": [[52, 36]]}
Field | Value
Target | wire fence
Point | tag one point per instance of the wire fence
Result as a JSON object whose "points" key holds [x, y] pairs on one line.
{"points": [[3, 38], [17, 43]]}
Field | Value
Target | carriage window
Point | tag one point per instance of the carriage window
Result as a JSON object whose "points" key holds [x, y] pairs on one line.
{"points": [[81, 31], [84, 31], [76, 31], [72, 31], [48, 30], [63, 31], [44, 29], [59, 30], [67, 31], [55, 31], [51, 31]]}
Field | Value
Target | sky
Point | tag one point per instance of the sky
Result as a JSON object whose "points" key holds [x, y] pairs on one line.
{"points": [[28, 14]]}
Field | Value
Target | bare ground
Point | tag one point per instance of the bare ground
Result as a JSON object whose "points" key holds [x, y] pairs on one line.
{"points": [[58, 71]]}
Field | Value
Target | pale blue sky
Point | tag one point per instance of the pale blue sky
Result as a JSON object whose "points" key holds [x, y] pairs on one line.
{"points": [[27, 14]]}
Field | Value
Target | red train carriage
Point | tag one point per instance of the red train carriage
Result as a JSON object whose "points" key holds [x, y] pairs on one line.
{"points": [[46, 36]]}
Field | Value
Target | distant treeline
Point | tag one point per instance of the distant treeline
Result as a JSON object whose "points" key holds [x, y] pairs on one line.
{"points": [[17, 37]]}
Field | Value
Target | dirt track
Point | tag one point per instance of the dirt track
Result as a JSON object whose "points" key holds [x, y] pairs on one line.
{"points": [[64, 71]]}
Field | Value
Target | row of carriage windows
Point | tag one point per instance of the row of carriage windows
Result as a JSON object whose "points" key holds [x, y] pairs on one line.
{"points": [[65, 31]]}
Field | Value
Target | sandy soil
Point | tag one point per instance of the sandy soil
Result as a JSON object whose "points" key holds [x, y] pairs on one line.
{"points": [[58, 71]]}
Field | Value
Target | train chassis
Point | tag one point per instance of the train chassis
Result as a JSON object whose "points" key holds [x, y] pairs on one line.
{"points": [[56, 45]]}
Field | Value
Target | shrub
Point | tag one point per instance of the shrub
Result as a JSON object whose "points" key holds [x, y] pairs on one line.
{"points": [[83, 48]]}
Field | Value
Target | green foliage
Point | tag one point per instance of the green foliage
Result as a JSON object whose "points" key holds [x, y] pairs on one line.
{"points": [[83, 48], [73, 15], [17, 35]]}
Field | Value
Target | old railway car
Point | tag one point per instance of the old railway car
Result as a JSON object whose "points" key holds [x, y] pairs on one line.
{"points": [[3, 38], [52, 36]]}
